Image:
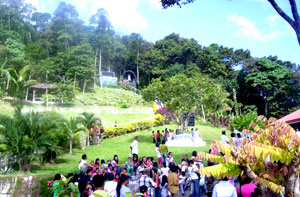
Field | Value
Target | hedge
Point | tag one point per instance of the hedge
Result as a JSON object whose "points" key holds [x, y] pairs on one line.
{"points": [[132, 127]]}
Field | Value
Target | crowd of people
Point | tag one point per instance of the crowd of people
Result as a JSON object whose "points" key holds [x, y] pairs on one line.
{"points": [[163, 177]]}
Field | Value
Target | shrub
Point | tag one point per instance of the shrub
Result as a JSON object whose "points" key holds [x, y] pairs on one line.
{"points": [[129, 128], [80, 139], [244, 120], [124, 105]]}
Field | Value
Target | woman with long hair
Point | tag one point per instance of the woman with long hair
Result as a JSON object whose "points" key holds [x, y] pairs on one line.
{"points": [[122, 188]]}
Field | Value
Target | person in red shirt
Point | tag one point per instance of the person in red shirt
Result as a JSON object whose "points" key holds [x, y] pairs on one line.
{"points": [[158, 137]]}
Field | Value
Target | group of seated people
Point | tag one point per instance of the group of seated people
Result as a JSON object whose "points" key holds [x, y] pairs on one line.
{"points": [[143, 177]]}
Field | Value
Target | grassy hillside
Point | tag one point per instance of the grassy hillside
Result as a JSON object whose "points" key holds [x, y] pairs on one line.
{"points": [[120, 145], [109, 96]]}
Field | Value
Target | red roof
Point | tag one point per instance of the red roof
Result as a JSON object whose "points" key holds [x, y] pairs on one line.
{"points": [[291, 118]]}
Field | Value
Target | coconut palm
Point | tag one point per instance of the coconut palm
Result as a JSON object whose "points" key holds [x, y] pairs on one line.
{"points": [[72, 126], [89, 120]]}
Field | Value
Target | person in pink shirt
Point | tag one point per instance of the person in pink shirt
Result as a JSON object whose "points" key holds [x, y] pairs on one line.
{"points": [[246, 188]]}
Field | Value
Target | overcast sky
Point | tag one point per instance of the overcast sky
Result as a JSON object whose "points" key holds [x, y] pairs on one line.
{"points": [[246, 24]]}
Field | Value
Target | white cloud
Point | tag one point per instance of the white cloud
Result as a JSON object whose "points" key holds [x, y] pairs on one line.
{"points": [[122, 14], [247, 29], [271, 20], [37, 5]]}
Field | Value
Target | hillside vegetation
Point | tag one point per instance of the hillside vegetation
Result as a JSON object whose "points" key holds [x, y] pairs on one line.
{"points": [[109, 96]]}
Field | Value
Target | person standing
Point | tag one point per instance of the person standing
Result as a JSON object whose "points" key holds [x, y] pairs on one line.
{"points": [[193, 169], [158, 136], [134, 147], [173, 182], [164, 151], [158, 153], [224, 188], [153, 137]]}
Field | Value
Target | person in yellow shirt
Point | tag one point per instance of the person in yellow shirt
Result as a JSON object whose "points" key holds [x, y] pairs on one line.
{"points": [[173, 182], [164, 151]]}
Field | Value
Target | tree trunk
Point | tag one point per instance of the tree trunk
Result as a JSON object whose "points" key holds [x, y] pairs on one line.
{"points": [[70, 146], [84, 85], [27, 89], [88, 138], [203, 113], [100, 67], [74, 81], [291, 179], [95, 74]]}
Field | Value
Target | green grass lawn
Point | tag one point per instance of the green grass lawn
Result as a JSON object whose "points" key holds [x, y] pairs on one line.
{"points": [[120, 145]]}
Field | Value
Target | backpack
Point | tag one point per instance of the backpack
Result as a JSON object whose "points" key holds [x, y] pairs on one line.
{"points": [[143, 188]]}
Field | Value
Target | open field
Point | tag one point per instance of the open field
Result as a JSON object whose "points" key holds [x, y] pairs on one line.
{"points": [[120, 145]]}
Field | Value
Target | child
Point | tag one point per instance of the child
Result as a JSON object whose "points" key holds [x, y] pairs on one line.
{"points": [[165, 170], [97, 164], [129, 166], [103, 165], [140, 168], [170, 159], [182, 179], [149, 163], [153, 137], [110, 168], [158, 152], [124, 172], [164, 187], [97, 172]]}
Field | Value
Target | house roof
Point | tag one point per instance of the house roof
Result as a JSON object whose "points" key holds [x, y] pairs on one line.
{"points": [[291, 118], [43, 86]]}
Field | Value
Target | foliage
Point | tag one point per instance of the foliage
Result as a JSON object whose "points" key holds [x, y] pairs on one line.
{"points": [[181, 94], [6, 167], [65, 91], [244, 120], [30, 136], [65, 188], [219, 121], [271, 151], [124, 106], [132, 127]]}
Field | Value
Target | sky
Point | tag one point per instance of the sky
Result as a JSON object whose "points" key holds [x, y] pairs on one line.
{"points": [[238, 24]]}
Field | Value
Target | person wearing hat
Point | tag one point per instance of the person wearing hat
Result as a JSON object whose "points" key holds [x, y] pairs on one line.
{"points": [[145, 183]]}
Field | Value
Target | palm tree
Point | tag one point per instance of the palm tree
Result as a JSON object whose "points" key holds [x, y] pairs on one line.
{"points": [[89, 120], [72, 126], [6, 72], [25, 135]]}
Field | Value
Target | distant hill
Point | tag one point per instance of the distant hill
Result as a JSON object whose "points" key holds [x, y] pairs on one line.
{"points": [[110, 96]]}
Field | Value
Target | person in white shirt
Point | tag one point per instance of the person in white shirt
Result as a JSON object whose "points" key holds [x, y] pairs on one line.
{"points": [[224, 138], [193, 169], [110, 186], [224, 189], [83, 165], [134, 147], [147, 181]]}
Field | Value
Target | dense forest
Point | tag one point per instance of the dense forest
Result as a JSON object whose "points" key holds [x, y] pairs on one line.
{"points": [[62, 49]]}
